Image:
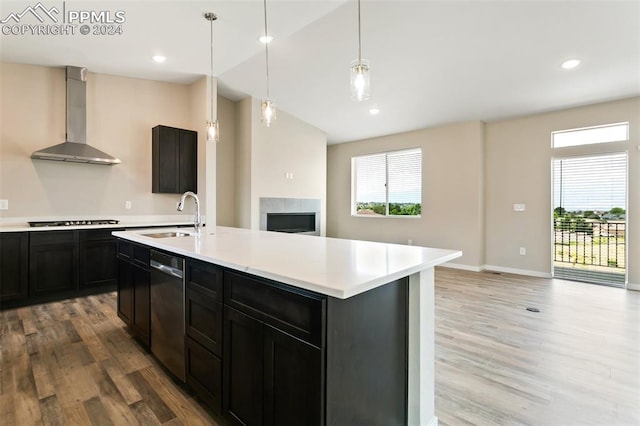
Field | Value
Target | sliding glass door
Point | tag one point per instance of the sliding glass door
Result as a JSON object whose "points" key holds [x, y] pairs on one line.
{"points": [[589, 218]]}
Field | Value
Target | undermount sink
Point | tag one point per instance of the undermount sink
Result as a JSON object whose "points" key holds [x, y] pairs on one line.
{"points": [[168, 234]]}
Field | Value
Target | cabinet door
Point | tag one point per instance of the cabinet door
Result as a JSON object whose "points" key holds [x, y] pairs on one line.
{"points": [[98, 265], [14, 265], [125, 291], [293, 380], [165, 158], [141, 303], [203, 304], [53, 262], [243, 372], [204, 373], [188, 161]]}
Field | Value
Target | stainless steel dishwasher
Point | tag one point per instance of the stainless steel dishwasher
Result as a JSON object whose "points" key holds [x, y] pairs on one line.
{"points": [[167, 311]]}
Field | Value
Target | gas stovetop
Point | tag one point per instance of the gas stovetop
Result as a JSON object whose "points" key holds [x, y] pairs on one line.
{"points": [[74, 222]]}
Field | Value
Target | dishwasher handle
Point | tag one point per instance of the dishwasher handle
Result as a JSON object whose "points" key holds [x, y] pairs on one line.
{"points": [[169, 270]]}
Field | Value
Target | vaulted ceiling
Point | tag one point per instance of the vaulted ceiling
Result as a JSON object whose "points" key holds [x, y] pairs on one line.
{"points": [[432, 62]]}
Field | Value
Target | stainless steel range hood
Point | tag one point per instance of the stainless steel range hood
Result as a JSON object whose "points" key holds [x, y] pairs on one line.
{"points": [[75, 149]]}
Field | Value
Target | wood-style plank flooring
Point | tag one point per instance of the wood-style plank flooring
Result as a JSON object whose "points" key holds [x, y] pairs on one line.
{"points": [[73, 363], [576, 362]]}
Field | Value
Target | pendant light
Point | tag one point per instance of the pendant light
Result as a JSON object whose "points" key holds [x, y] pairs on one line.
{"points": [[267, 106], [360, 85], [213, 127]]}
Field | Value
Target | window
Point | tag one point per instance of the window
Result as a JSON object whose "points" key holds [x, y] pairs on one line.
{"points": [[387, 184], [591, 135]]}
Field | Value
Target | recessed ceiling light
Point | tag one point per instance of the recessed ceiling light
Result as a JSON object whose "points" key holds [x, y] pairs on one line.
{"points": [[374, 110], [570, 63], [159, 58], [266, 39]]}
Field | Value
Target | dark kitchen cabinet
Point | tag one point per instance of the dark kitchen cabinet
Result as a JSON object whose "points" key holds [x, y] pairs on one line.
{"points": [[174, 160], [203, 321], [98, 265], [125, 291], [53, 262], [14, 266], [273, 359], [133, 288]]}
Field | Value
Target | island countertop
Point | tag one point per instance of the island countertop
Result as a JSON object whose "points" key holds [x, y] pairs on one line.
{"points": [[334, 267]]}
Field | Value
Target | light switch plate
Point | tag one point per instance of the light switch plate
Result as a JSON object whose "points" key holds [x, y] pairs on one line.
{"points": [[4, 204]]}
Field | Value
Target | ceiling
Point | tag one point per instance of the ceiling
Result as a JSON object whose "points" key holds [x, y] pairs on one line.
{"points": [[432, 62]]}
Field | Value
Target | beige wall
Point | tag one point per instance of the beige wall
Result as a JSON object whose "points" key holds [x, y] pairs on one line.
{"points": [[452, 188], [473, 173], [243, 163], [120, 114], [518, 170], [263, 156], [225, 165]]}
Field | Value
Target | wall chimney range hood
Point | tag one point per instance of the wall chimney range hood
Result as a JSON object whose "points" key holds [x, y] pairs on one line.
{"points": [[75, 149]]}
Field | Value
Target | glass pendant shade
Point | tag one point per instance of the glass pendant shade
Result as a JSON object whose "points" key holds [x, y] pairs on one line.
{"points": [[213, 131], [360, 86], [268, 112]]}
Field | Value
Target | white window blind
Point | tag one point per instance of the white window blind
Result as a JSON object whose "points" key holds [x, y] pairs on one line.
{"points": [[388, 184]]}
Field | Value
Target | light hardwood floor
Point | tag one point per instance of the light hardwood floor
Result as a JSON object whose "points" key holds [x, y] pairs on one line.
{"points": [[575, 362]]}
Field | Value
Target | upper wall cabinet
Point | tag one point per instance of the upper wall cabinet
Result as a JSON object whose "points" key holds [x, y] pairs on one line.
{"points": [[175, 160]]}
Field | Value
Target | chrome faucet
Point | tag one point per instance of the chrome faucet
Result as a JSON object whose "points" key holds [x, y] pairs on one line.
{"points": [[197, 222]]}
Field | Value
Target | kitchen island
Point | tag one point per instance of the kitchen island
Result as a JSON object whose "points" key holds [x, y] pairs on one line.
{"points": [[312, 329]]}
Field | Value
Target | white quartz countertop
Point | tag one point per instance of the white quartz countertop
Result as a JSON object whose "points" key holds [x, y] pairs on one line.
{"points": [[330, 266]]}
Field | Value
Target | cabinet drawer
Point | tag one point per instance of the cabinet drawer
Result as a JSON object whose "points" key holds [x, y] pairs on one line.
{"points": [[206, 278], [125, 248], [53, 237], [204, 373], [292, 310], [141, 255]]}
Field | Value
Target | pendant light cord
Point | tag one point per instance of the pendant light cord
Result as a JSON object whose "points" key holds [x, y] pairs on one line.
{"points": [[266, 46], [211, 83], [359, 36]]}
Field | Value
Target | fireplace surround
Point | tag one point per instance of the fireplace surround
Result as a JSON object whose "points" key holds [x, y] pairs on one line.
{"points": [[291, 215]]}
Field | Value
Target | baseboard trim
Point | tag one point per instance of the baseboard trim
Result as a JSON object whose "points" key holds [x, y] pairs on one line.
{"points": [[526, 272], [462, 267], [631, 286]]}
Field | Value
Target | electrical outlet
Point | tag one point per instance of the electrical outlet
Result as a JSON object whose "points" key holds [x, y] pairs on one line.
{"points": [[127, 205], [410, 242], [523, 251], [4, 204], [519, 207]]}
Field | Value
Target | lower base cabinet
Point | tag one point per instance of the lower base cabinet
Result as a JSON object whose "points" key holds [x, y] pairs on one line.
{"points": [[14, 266], [260, 352], [133, 289], [204, 373]]}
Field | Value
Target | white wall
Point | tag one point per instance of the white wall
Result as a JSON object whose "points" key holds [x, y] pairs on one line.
{"points": [[263, 156], [120, 114], [452, 188]]}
